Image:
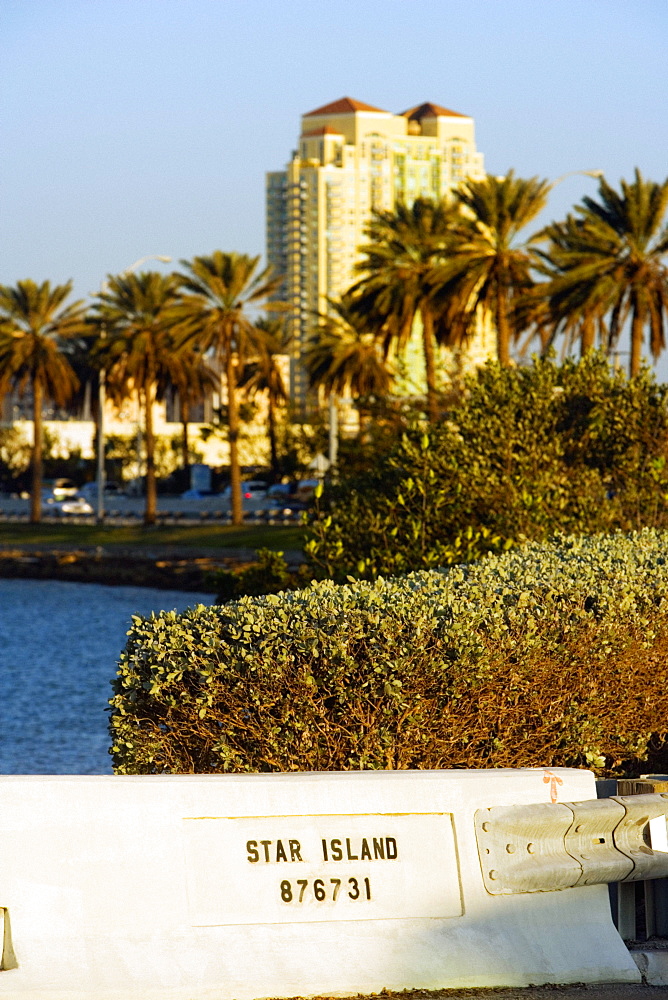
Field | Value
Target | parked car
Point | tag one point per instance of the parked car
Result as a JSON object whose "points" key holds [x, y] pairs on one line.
{"points": [[251, 489], [196, 494], [60, 489], [111, 489], [281, 491], [281, 497], [305, 489], [71, 506], [253, 494]]}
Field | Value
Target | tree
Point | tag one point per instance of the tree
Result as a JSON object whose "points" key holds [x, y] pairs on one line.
{"points": [[530, 451], [34, 321], [137, 347], [487, 268], [265, 374], [344, 355], [611, 260], [397, 284], [189, 373], [559, 306], [218, 292]]}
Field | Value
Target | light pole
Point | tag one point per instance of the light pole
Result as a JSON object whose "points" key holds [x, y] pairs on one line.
{"points": [[596, 174], [102, 395], [333, 432], [101, 400]]}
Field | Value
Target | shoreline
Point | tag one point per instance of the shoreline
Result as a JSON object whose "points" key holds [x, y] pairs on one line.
{"points": [[168, 570]]}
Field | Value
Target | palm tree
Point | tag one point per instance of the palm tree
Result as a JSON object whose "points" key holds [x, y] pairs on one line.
{"points": [[344, 355], [219, 290], [33, 324], [137, 319], [560, 306], [193, 378], [77, 350], [488, 269], [264, 374], [397, 284], [611, 260]]}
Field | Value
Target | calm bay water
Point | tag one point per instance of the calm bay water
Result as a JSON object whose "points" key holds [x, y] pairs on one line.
{"points": [[59, 645]]}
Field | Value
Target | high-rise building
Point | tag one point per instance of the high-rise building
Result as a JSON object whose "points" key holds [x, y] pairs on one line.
{"points": [[352, 158]]}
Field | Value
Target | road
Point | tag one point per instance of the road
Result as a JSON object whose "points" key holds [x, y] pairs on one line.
{"points": [[123, 509]]}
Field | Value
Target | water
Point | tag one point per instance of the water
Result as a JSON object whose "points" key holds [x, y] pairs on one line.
{"points": [[59, 646]]}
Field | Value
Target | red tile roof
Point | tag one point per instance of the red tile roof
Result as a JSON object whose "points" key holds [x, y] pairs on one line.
{"points": [[344, 106], [325, 130], [429, 110]]}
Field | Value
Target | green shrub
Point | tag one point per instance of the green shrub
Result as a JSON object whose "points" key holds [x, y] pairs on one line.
{"points": [[549, 655], [573, 448], [269, 573]]}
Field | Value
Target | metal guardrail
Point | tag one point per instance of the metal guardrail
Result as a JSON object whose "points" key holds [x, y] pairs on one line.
{"points": [[620, 838], [547, 846], [640, 909]]}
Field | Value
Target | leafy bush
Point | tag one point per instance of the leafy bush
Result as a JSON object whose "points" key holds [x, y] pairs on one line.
{"points": [[269, 573], [532, 451], [547, 655]]}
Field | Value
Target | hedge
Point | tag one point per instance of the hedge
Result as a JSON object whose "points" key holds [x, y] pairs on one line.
{"points": [[550, 654]]}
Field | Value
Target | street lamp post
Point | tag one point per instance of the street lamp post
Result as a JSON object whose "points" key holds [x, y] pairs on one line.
{"points": [[101, 474], [597, 174], [333, 432], [102, 396]]}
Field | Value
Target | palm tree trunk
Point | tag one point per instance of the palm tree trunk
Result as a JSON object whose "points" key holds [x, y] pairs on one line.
{"points": [[37, 462], [429, 362], [502, 327], [636, 343], [233, 427], [185, 451], [151, 493], [364, 418], [587, 336]]}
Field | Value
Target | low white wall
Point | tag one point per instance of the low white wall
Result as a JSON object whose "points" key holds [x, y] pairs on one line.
{"points": [[247, 886]]}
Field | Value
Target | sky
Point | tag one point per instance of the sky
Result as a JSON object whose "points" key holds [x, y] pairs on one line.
{"points": [[131, 128]]}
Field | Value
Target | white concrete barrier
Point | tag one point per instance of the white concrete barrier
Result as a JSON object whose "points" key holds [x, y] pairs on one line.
{"points": [[245, 886]]}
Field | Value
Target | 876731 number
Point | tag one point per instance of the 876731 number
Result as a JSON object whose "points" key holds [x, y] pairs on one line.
{"points": [[320, 889]]}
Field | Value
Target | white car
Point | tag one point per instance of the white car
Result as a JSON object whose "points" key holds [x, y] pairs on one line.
{"points": [[62, 489], [253, 494], [72, 505]]}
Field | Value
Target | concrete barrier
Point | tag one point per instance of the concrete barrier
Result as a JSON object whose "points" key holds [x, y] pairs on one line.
{"points": [[247, 886]]}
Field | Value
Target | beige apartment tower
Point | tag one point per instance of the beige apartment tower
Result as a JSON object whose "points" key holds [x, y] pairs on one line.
{"points": [[352, 158]]}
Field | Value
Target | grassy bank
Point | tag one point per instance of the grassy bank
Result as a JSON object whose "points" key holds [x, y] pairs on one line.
{"points": [[195, 538]]}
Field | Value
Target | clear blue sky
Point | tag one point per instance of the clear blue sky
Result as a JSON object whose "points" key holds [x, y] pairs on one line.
{"points": [[133, 127]]}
